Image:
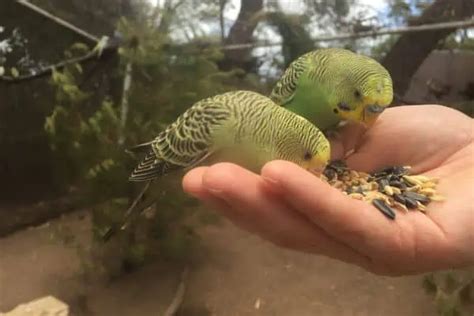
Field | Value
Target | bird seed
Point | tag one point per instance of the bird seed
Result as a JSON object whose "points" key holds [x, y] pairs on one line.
{"points": [[391, 187]]}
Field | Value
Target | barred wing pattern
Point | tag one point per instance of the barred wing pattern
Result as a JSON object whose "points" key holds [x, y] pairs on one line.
{"points": [[184, 143], [285, 88]]}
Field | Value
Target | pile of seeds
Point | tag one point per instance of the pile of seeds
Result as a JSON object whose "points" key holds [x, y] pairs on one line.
{"points": [[385, 189]]}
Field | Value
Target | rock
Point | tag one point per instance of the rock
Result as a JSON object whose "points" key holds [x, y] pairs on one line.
{"points": [[45, 306]]}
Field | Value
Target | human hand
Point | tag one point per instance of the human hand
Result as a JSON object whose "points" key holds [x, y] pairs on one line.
{"points": [[292, 208]]}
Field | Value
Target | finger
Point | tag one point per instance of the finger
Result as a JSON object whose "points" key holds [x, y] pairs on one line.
{"points": [[192, 184], [251, 203], [354, 223], [345, 140], [351, 135]]}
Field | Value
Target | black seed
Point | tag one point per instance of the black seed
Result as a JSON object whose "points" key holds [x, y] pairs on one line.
{"points": [[329, 173], [338, 164], [384, 208], [417, 197], [409, 202], [399, 198], [394, 177], [382, 184], [386, 170], [397, 170], [401, 170], [379, 175], [398, 184]]}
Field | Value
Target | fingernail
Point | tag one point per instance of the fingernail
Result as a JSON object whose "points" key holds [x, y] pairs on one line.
{"points": [[214, 191], [274, 184]]}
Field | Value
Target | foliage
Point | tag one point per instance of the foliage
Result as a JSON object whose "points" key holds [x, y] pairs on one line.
{"points": [[296, 38], [403, 11], [453, 291]]}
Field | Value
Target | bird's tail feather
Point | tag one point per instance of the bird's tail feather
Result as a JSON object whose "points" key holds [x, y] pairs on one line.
{"points": [[138, 205], [140, 148], [151, 167]]}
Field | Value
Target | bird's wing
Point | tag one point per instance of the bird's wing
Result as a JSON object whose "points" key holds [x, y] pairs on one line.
{"points": [[183, 144], [285, 88]]}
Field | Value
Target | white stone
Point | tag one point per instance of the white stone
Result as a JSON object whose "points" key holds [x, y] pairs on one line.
{"points": [[45, 306]]}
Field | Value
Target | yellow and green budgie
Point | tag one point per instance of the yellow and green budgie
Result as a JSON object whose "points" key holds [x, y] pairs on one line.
{"points": [[332, 85], [242, 127]]}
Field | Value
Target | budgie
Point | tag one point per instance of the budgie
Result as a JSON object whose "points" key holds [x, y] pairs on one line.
{"points": [[333, 85], [242, 127]]}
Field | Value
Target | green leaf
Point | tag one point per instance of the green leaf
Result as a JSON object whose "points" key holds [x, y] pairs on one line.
{"points": [[15, 73], [78, 68], [80, 47]]}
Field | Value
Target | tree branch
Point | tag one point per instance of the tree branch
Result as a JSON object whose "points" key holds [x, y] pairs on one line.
{"points": [[399, 30], [58, 20], [410, 50], [242, 32], [179, 295], [127, 82], [108, 50], [222, 4]]}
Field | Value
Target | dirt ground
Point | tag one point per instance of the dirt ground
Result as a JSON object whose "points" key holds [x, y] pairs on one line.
{"points": [[234, 273]]}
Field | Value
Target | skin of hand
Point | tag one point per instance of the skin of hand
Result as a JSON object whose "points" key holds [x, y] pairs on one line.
{"points": [[294, 209]]}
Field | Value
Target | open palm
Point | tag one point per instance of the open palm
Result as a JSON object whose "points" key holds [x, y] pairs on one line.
{"points": [[294, 209]]}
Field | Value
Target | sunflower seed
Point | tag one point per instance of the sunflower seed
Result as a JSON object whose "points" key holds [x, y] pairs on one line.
{"points": [[399, 198], [410, 203], [417, 197], [382, 184], [398, 184], [386, 188], [384, 208], [329, 173]]}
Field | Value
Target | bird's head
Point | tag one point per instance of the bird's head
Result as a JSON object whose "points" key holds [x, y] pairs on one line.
{"points": [[314, 150], [316, 162], [363, 91]]}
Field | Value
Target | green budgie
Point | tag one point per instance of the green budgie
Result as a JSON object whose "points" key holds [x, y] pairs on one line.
{"points": [[332, 85], [242, 127]]}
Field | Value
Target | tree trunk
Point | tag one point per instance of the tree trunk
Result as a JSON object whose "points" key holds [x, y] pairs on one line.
{"points": [[411, 49], [242, 32]]}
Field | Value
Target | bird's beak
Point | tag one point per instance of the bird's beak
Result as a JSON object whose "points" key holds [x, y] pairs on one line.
{"points": [[371, 113], [316, 166]]}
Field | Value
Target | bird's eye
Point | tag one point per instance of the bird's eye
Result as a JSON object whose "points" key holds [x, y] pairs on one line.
{"points": [[307, 156], [357, 94]]}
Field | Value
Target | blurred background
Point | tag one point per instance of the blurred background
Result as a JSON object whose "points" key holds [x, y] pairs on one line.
{"points": [[81, 80]]}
